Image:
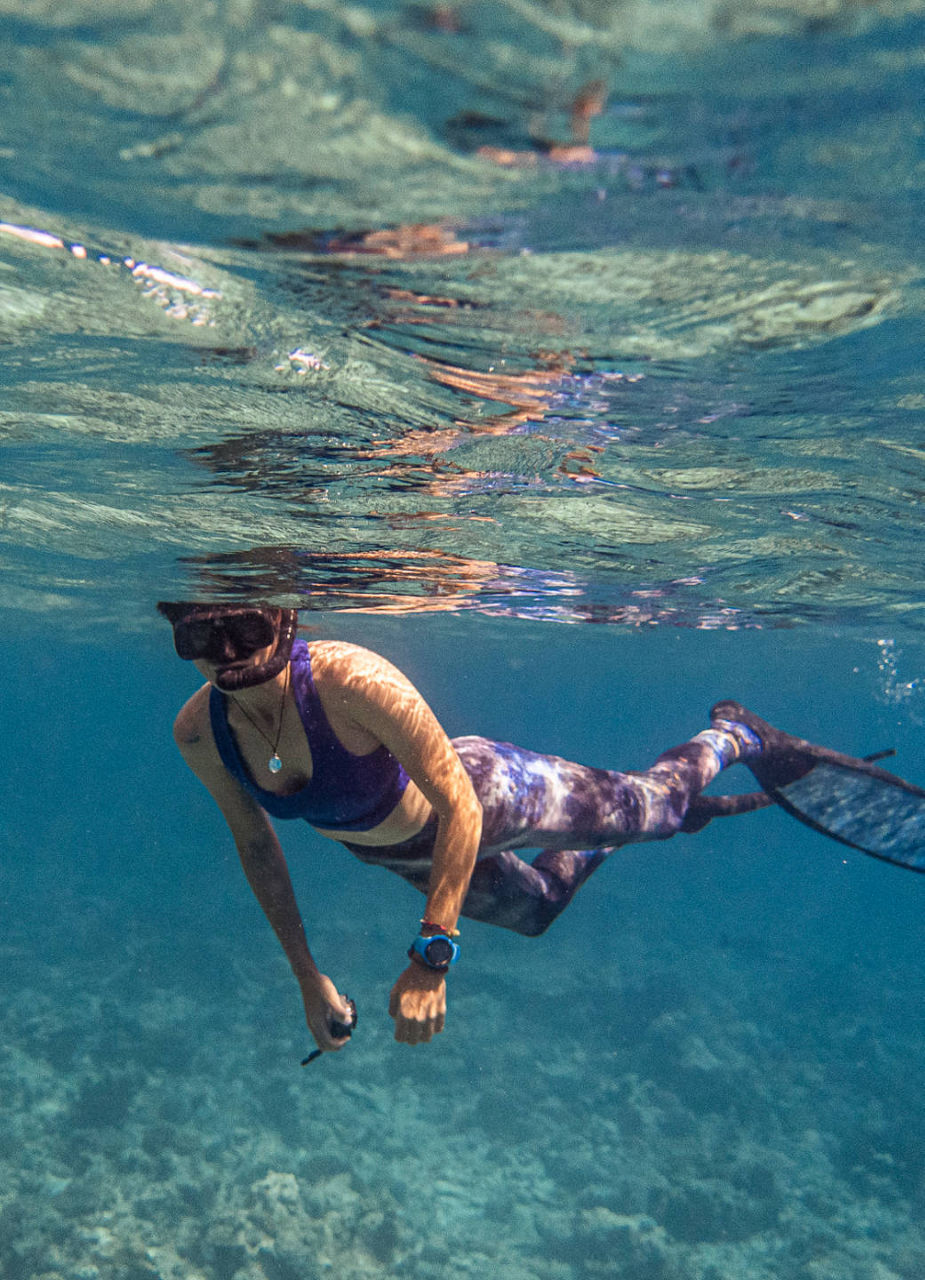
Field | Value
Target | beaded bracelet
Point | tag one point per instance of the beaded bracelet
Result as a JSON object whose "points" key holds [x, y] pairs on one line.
{"points": [[432, 924]]}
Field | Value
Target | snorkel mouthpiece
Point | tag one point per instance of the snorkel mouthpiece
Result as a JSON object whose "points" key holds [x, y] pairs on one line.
{"points": [[231, 678]]}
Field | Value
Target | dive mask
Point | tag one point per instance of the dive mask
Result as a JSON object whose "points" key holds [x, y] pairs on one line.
{"points": [[223, 637]]}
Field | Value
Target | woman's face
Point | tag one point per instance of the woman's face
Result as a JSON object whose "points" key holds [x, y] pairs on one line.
{"points": [[211, 670], [225, 645]]}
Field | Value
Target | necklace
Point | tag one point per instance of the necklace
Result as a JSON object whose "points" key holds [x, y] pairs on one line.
{"points": [[274, 764]]}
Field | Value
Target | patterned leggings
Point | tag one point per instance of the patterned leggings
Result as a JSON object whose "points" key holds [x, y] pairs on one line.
{"points": [[576, 815]]}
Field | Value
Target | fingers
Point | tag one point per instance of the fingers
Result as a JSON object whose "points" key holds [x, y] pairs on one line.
{"points": [[324, 1006], [417, 1020], [418, 1005], [418, 1030], [335, 1042], [320, 1025], [325, 1041]]}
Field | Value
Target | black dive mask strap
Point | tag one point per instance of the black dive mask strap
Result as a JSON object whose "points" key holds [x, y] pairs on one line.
{"points": [[230, 679]]}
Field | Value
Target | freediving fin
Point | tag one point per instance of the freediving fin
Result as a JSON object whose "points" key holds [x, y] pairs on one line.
{"points": [[872, 811], [852, 801]]}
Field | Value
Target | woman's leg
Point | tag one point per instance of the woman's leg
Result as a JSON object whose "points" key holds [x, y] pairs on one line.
{"points": [[531, 800], [503, 890], [575, 814], [528, 800], [526, 897]]}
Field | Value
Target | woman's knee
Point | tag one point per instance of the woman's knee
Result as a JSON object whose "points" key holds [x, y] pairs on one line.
{"points": [[529, 919]]}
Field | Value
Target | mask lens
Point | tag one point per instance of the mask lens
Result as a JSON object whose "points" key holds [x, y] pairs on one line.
{"points": [[192, 638], [248, 633], [222, 639]]}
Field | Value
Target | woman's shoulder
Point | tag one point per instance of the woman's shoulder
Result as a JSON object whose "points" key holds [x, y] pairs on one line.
{"points": [[354, 671], [193, 723], [340, 656]]}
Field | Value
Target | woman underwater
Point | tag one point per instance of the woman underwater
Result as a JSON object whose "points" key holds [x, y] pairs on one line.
{"points": [[335, 734]]}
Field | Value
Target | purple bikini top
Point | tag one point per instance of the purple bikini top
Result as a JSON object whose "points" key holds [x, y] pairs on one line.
{"points": [[346, 792]]}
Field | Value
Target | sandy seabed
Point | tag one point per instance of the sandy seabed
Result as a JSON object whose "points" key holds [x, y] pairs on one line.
{"points": [[753, 1126]]}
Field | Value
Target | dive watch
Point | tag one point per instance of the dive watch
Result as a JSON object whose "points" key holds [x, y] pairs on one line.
{"points": [[435, 952]]}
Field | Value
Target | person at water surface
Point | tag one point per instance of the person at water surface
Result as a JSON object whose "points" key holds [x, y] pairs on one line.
{"points": [[334, 734]]}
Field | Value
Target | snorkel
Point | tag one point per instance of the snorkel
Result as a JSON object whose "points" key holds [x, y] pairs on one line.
{"points": [[231, 678], [226, 635]]}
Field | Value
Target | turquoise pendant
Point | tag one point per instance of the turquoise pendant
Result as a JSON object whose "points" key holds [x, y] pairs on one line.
{"points": [[274, 764]]}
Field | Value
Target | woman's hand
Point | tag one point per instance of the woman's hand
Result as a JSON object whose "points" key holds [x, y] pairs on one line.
{"points": [[323, 1005], [418, 1004]]}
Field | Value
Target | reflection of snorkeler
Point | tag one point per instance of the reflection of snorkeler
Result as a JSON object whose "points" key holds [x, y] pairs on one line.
{"points": [[334, 734]]}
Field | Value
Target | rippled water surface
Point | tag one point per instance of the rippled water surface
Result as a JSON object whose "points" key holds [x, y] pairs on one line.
{"points": [[604, 311]]}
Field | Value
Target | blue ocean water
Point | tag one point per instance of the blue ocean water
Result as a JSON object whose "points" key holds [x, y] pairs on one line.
{"points": [[567, 354]]}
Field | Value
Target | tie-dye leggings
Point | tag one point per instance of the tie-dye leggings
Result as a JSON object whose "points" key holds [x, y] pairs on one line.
{"points": [[576, 815]]}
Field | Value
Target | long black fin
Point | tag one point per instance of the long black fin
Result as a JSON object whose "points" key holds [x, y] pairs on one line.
{"points": [[876, 813], [852, 801]]}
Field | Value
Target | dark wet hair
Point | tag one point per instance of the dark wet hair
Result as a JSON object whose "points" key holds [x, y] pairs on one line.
{"points": [[282, 621]]}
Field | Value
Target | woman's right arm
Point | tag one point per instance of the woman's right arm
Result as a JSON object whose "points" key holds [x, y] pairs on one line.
{"points": [[264, 865]]}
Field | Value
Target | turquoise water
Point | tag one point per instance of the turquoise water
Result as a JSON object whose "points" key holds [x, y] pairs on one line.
{"points": [[460, 328]]}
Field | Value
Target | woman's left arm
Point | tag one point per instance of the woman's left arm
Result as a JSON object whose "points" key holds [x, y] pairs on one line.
{"points": [[378, 698]]}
